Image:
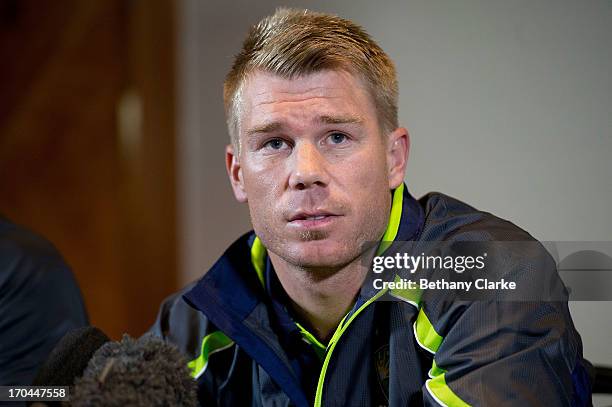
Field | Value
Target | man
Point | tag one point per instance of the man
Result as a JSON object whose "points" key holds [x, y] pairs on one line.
{"points": [[287, 316], [40, 301]]}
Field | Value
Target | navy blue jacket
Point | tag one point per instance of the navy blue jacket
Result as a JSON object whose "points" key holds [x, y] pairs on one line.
{"points": [[395, 347]]}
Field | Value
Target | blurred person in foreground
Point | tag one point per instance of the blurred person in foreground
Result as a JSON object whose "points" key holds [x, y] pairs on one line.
{"points": [[284, 317], [40, 302]]}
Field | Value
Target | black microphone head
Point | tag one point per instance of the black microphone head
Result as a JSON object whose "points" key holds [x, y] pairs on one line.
{"points": [[70, 357], [136, 372]]}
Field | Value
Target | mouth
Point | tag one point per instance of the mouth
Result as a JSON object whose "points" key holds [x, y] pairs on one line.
{"points": [[311, 220]]}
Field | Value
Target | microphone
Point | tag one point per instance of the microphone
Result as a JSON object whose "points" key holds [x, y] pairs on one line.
{"points": [[136, 372], [70, 357]]}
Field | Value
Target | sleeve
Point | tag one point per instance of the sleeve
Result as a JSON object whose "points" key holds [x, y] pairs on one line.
{"points": [[504, 354], [505, 348]]}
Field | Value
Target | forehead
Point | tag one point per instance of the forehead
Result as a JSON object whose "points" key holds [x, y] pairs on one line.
{"points": [[323, 93]]}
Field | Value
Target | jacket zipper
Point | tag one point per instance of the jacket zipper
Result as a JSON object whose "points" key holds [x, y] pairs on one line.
{"points": [[332, 345]]}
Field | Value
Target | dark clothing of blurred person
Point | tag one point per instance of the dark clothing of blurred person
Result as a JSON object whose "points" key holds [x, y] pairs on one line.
{"points": [[40, 301]]}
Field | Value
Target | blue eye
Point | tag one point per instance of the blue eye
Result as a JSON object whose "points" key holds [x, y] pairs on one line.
{"points": [[337, 138], [275, 144]]}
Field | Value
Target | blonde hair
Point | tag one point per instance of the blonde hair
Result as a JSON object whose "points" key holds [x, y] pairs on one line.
{"points": [[294, 42]]}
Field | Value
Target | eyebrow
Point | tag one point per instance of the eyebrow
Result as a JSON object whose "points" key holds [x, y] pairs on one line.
{"points": [[325, 119], [340, 119], [265, 128]]}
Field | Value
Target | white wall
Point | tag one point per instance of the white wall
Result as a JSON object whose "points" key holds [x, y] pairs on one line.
{"points": [[508, 103]]}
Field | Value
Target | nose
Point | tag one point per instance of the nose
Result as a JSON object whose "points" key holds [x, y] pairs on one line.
{"points": [[308, 167]]}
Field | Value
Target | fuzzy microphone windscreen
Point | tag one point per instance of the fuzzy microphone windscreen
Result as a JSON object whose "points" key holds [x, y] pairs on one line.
{"points": [[136, 372], [70, 357]]}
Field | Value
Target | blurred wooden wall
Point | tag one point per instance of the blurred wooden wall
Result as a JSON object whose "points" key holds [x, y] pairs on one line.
{"points": [[87, 145]]}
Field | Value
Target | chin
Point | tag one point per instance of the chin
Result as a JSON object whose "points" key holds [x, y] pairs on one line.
{"points": [[321, 254]]}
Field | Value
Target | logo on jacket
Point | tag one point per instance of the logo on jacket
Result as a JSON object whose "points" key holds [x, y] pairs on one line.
{"points": [[381, 362]]}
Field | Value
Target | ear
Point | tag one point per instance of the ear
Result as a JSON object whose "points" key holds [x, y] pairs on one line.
{"points": [[234, 171], [398, 148]]}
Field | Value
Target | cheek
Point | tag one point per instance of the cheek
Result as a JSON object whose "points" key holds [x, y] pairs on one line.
{"points": [[259, 179], [369, 171], [370, 190], [262, 218], [261, 187], [266, 193]]}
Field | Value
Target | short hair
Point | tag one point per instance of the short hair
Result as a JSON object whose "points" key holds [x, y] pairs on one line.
{"points": [[294, 42]]}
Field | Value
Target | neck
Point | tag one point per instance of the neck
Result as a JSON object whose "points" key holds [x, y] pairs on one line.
{"points": [[322, 296]]}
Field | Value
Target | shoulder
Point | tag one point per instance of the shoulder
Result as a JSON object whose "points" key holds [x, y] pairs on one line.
{"points": [[31, 266], [40, 298], [452, 227], [449, 218], [24, 251], [508, 254], [455, 228], [181, 324]]}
